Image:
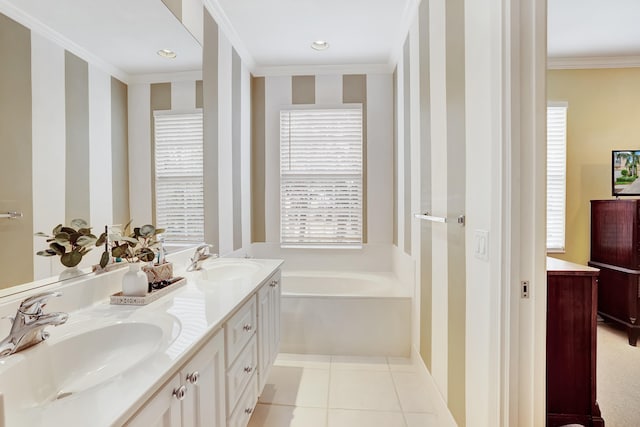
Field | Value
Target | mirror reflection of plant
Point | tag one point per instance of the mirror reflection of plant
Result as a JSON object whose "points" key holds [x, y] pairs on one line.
{"points": [[71, 243], [141, 244]]}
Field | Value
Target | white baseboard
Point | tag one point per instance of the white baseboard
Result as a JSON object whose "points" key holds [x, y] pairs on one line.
{"points": [[445, 418]]}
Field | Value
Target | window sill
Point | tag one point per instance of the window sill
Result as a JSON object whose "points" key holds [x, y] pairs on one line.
{"points": [[556, 250], [331, 247]]}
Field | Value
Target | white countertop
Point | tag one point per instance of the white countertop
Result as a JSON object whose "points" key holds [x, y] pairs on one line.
{"points": [[187, 316]]}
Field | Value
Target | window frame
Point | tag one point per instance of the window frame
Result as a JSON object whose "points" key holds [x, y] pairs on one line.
{"points": [[157, 176], [360, 175], [561, 181]]}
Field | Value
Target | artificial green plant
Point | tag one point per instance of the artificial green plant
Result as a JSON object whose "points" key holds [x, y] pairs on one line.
{"points": [[70, 243], [139, 244]]}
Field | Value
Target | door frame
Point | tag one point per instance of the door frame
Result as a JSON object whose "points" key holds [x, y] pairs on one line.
{"points": [[523, 321]]}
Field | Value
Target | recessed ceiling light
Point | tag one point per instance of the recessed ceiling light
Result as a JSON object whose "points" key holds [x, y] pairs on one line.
{"points": [[319, 45], [167, 53]]}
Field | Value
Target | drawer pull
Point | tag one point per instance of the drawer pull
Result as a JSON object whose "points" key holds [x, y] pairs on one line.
{"points": [[247, 327], [248, 411], [180, 392], [273, 283], [248, 369], [193, 377]]}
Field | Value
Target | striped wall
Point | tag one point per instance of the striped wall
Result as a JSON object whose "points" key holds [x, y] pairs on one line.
{"points": [[258, 166], [16, 260], [455, 167], [57, 145], [210, 87], [224, 94], [430, 153], [234, 130], [425, 230], [76, 102], [406, 145], [144, 99], [236, 167], [225, 143], [271, 93], [48, 141], [456, 192], [119, 151]]}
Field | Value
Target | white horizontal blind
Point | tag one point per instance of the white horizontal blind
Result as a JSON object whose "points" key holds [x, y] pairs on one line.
{"points": [[556, 176], [321, 176], [179, 175]]}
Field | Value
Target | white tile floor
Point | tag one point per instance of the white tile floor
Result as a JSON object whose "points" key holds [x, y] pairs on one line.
{"points": [[343, 391]]}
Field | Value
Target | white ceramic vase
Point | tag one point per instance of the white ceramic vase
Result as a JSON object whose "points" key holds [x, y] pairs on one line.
{"points": [[134, 281]]}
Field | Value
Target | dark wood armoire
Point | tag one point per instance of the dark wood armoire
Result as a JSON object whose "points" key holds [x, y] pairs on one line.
{"points": [[615, 250], [571, 344]]}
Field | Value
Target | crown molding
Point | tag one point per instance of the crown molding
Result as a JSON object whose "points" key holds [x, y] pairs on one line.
{"points": [[569, 63], [39, 27], [408, 16], [224, 24], [310, 70], [181, 76]]}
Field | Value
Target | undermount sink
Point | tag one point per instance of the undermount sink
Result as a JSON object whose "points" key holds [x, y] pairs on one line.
{"points": [[228, 269], [61, 367]]}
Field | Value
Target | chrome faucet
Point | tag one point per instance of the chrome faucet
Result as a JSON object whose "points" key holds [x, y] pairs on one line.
{"points": [[201, 253], [28, 325]]}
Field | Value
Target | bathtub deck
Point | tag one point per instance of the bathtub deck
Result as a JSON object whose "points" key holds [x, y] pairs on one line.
{"points": [[346, 391]]}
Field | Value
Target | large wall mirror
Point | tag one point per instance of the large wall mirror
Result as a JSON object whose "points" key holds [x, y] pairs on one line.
{"points": [[67, 73]]}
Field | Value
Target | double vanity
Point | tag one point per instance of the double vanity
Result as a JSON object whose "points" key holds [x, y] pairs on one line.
{"points": [[198, 356]]}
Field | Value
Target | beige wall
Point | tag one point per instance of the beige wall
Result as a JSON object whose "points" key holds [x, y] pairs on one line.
{"points": [[55, 131], [119, 152], [603, 115], [16, 248], [375, 93]]}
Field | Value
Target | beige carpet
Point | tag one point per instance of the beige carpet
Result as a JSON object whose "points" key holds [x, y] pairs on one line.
{"points": [[618, 377]]}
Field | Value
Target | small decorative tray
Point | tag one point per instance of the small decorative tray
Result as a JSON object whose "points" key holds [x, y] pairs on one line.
{"points": [[150, 297]]}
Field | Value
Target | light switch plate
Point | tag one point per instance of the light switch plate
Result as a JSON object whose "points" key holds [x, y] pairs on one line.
{"points": [[481, 244]]}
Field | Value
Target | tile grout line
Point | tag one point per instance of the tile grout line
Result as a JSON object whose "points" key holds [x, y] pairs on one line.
{"points": [[332, 364], [395, 389], [329, 389]]}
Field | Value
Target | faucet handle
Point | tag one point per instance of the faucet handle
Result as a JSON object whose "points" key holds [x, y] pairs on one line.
{"points": [[204, 248], [34, 304]]}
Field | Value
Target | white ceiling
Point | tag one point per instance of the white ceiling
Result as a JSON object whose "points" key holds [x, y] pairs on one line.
{"points": [[125, 34], [593, 28], [280, 32]]}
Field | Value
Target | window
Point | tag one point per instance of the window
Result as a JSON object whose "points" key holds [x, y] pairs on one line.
{"points": [[179, 175], [321, 177], [556, 175]]}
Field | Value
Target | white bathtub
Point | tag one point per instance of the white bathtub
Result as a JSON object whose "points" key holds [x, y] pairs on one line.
{"points": [[347, 313]]}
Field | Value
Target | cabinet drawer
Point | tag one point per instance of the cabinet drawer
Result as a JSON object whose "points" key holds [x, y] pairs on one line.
{"points": [[239, 329], [241, 372], [247, 403]]}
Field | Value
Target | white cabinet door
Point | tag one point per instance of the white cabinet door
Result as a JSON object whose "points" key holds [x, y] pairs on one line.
{"points": [[240, 373], [239, 329], [246, 404], [162, 410], [204, 376], [268, 327]]}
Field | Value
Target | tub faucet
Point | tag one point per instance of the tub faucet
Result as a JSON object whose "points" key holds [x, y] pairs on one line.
{"points": [[201, 253], [28, 325]]}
